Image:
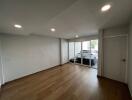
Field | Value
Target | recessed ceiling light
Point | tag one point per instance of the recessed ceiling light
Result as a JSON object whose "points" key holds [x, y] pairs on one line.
{"points": [[17, 26], [53, 29], [76, 36], [105, 7]]}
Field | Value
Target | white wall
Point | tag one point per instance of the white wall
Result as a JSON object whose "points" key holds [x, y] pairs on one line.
{"points": [[116, 31], [86, 38], [130, 60], [0, 63], [100, 53], [24, 55], [64, 51]]}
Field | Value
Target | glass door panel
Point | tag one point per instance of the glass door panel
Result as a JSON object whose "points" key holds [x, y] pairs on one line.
{"points": [[86, 53], [78, 52], [94, 53], [71, 52]]}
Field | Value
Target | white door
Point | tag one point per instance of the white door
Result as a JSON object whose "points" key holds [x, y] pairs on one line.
{"points": [[115, 55]]}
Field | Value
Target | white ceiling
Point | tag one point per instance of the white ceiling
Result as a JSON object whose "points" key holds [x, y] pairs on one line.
{"points": [[68, 17]]}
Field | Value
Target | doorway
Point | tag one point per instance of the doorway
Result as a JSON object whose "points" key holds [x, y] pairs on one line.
{"points": [[84, 53]]}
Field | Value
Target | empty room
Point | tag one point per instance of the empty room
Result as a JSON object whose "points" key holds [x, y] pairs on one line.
{"points": [[66, 50]]}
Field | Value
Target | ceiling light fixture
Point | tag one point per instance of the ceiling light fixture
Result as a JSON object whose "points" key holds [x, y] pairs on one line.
{"points": [[53, 29], [17, 26], [76, 36], [105, 7]]}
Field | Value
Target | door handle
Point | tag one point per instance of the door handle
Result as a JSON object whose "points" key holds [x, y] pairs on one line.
{"points": [[124, 60]]}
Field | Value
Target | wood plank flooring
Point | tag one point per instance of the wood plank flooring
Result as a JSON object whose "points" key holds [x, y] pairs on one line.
{"points": [[67, 82]]}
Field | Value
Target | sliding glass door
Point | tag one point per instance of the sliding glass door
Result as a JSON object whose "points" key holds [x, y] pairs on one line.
{"points": [[85, 53]]}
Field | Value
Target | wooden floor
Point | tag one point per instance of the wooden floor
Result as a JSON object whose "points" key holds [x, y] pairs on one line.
{"points": [[67, 82]]}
